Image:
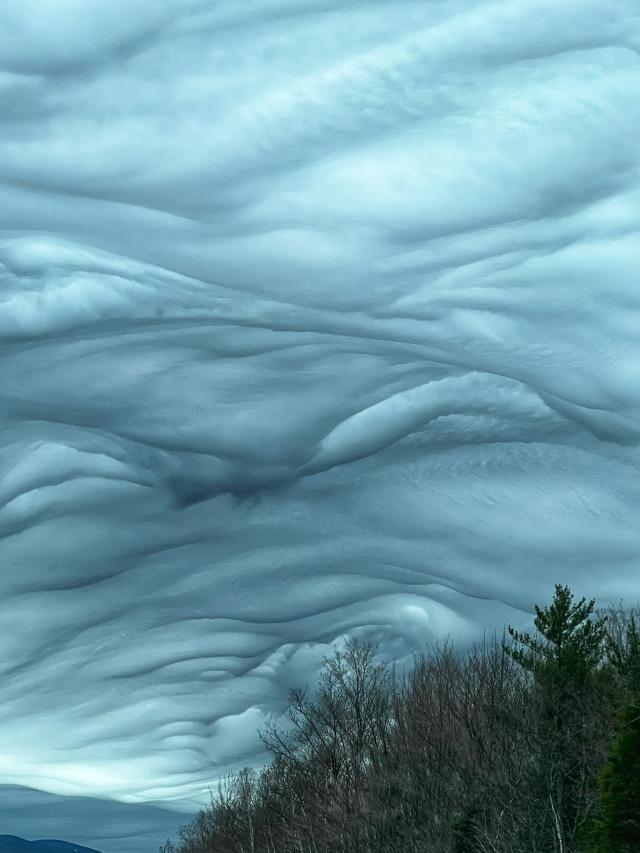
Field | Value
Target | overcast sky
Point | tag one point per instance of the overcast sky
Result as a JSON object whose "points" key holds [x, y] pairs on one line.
{"points": [[316, 317]]}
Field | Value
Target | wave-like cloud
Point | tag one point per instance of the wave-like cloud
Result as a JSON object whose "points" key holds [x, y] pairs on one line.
{"points": [[315, 318]]}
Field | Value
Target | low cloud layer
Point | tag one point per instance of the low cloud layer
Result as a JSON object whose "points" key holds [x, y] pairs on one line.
{"points": [[107, 824], [315, 318]]}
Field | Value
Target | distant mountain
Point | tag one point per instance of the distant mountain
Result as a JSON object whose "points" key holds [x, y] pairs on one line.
{"points": [[91, 823], [13, 844]]}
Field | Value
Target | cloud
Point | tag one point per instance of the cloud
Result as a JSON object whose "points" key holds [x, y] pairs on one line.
{"points": [[110, 825], [315, 319]]}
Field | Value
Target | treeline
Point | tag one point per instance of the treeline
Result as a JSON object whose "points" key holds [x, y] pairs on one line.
{"points": [[526, 745]]}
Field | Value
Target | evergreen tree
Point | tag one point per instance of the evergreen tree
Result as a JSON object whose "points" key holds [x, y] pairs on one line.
{"points": [[620, 788], [564, 659], [618, 830], [623, 650], [570, 640]]}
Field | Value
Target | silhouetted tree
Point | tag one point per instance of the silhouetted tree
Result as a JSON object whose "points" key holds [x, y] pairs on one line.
{"points": [[565, 658], [617, 827], [531, 746]]}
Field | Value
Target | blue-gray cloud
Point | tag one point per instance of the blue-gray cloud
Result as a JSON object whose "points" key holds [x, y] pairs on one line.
{"points": [[315, 318], [107, 824]]}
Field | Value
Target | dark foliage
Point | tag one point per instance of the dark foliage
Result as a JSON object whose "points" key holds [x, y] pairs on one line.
{"points": [[616, 829], [525, 746]]}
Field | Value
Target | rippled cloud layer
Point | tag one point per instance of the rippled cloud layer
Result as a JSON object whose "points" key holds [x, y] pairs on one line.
{"points": [[315, 318]]}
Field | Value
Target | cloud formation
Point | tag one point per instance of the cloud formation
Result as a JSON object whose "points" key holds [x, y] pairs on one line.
{"points": [[107, 824], [315, 318]]}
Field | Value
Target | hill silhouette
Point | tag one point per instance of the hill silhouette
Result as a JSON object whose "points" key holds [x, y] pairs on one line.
{"points": [[13, 844]]}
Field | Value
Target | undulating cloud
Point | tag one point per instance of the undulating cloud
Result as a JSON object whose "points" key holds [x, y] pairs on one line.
{"points": [[316, 318]]}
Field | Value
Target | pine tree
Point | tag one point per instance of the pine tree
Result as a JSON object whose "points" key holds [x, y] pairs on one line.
{"points": [[618, 830], [620, 787], [623, 650], [569, 640], [564, 659]]}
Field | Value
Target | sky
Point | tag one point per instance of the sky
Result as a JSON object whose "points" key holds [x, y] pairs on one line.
{"points": [[317, 318]]}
